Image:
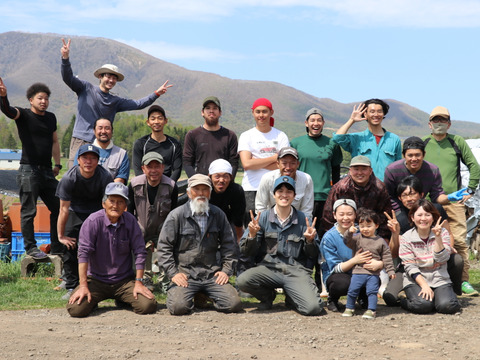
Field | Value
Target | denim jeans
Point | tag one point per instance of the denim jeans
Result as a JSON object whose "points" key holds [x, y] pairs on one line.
{"points": [[371, 282], [35, 181]]}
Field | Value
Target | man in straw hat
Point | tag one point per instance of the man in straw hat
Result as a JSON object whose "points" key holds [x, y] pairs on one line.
{"points": [[95, 102]]}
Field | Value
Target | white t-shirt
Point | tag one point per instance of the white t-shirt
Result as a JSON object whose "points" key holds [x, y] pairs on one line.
{"points": [[261, 145]]}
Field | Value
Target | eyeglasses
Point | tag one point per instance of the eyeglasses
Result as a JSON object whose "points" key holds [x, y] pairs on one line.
{"points": [[437, 120], [409, 195]]}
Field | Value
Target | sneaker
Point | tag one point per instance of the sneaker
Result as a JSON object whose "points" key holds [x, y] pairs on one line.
{"points": [[36, 253], [332, 306], [369, 314], [348, 313], [468, 289], [61, 286], [67, 295]]}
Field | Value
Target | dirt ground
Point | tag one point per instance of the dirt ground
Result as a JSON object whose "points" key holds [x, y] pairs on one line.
{"points": [[112, 333]]}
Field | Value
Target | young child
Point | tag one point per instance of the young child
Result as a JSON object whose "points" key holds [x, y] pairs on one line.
{"points": [[368, 222]]}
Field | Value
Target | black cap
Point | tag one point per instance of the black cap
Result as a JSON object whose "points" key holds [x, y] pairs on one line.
{"points": [[156, 108], [413, 142]]}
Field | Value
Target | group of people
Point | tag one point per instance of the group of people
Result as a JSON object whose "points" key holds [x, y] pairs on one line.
{"points": [[292, 216]]}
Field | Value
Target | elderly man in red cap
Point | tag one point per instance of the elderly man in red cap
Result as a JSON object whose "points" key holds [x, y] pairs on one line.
{"points": [[95, 102]]}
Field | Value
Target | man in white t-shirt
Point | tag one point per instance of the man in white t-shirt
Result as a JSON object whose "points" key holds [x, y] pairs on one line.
{"points": [[258, 148]]}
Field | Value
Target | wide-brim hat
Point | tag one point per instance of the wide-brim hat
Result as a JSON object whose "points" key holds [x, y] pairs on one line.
{"points": [[109, 69]]}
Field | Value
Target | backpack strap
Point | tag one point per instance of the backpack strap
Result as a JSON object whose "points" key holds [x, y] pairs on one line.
{"points": [[459, 157]]}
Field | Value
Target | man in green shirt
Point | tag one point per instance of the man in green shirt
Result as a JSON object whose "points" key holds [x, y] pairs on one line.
{"points": [[447, 151], [319, 157]]}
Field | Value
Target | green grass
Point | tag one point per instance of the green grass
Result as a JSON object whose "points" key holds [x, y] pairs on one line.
{"points": [[36, 292]]}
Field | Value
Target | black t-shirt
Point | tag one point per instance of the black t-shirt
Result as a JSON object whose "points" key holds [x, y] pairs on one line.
{"points": [[232, 202], [36, 133], [85, 194]]}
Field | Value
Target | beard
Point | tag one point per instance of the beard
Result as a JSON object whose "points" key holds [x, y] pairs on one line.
{"points": [[198, 206]]}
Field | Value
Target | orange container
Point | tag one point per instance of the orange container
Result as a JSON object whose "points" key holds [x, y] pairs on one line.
{"points": [[41, 222]]}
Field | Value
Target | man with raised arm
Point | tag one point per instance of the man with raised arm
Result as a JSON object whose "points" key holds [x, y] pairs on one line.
{"points": [[379, 145], [95, 102], [37, 129]]}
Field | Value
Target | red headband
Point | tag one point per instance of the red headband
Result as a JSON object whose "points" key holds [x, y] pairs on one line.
{"points": [[264, 102]]}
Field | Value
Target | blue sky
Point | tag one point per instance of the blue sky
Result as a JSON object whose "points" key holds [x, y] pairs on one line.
{"points": [[423, 52]]}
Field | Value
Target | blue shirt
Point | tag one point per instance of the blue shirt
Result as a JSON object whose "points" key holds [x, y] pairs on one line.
{"points": [[108, 248], [388, 150], [334, 251]]}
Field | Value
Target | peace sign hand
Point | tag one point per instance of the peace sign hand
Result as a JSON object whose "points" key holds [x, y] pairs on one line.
{"points": [[253, 226], [163, 89], [358, 113], [65, 50], [437, 229], [310, 232], [3, 88], [392, 223]]}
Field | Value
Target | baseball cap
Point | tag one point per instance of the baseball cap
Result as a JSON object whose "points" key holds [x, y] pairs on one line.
{"points": [[156, 108], [313, 111], [211, 99], [439, 111], [199, 179], [88, 148], [288, 150], [116, 188], [150, 156], [284, 180], [348, 202], [360, 160]]}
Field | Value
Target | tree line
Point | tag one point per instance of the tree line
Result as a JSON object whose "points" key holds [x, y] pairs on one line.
{"points": [[127, 128]]}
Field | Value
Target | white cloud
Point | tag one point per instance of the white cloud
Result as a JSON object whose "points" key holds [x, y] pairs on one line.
{"points": [[350, 13], [173, 52]]}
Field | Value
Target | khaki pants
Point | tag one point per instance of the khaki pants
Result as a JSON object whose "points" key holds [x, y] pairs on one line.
{"points": [[122, 291], [458, 225]]}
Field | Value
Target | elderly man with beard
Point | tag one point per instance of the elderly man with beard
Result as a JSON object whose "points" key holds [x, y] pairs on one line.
{"points": [[227, 195], [187, 250], [209, 142], [113, 158]]}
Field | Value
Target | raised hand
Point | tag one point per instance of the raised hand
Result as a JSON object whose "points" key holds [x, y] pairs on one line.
{"points": [[310, 232], [352, 229], [358, 113], [437, 229], [65, 50], [253, 226], [392, 223], [3, 88], [163, 89]]}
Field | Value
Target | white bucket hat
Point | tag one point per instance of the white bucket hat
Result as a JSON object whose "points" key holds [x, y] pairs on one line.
{"points": [[109, 69]]}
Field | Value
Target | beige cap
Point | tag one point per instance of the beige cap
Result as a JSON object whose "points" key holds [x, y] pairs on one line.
{"points": [[199, 179], [440, 111]]}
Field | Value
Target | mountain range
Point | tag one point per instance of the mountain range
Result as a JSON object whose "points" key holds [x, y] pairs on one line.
{"points": [[26, 58]]}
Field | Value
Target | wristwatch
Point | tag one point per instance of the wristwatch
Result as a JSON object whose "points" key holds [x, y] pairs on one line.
{"points": [[139, 279], [470, 191], [59, 166]]}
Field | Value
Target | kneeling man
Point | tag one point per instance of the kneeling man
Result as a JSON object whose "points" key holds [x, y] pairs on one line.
{"points": [[285, 240], [188, 244], [108, 241]]}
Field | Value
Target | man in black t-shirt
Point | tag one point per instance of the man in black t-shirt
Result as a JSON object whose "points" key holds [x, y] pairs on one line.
{"points": [[80, 191], [37, 129], [227, 195], [168, 147]]}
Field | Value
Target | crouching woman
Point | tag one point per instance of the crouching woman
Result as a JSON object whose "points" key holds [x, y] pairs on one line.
{"points": [[425, 250]]}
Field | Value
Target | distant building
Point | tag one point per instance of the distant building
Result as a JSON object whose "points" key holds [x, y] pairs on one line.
{"points": [[10, 159]]}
